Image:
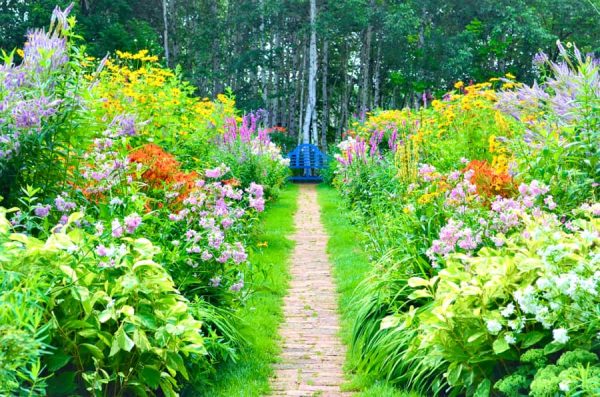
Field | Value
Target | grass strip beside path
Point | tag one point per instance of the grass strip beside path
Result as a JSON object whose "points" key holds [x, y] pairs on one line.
{"points": [[262, 314], [351, 266]]}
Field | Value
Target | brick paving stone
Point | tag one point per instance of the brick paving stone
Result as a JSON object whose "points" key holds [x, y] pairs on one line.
{"points": [[312, 354]]}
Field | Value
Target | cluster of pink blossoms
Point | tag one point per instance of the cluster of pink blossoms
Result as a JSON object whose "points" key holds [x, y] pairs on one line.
{"points": [[470, 226], [211, 210]]}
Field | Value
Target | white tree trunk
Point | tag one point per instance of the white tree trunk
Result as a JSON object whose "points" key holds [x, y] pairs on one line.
{"points": [[263, 64], [310, 118], [166, 31]]}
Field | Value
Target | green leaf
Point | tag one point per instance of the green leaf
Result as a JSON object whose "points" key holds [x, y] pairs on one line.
{"points": [[147, 263], [140, 340], [454, 372], [500, 346], [57, 360], [123, 340], [415, 282], [531, 338], [484, 388], [175, 362], [420, 293], [151, 376], [145, 247], [553, 348], [93, 350], [62, 384], [475, 336], [69, 272], [167, 388], [389, 322]]}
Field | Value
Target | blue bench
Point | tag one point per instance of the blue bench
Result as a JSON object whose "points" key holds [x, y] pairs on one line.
{"points": [[309, 159]]}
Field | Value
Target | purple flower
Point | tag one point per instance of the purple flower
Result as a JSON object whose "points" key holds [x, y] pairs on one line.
{"points": [[42, 210], [221, 208], [102, 251], [215, 281], [256, 190], [215, 239], [549, 201], [132, 222], [194, 250], [62, 205], [99, 228], [237, 286], [206, 255], [217, 172], [224, 257], [257, 203], [240, 256], [117, 229], [126, 125]]}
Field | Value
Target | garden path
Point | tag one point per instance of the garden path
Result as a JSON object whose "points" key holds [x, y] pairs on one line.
{"points": [[312, 355]]}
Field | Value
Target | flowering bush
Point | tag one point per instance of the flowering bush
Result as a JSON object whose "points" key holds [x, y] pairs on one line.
{"points": [[136, 84], [39, 100], [562, 122], [111, 308], [247, 149]]}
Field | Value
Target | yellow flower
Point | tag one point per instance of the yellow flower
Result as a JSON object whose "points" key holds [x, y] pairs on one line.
{"points": [[21, 53], [510, 76], [459, 85]]}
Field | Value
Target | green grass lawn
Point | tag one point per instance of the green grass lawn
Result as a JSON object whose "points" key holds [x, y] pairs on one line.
{"points": [[351, 265], [261, 316]]}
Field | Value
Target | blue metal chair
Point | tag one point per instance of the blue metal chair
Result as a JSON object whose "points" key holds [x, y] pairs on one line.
{"points": [[309, 159]]}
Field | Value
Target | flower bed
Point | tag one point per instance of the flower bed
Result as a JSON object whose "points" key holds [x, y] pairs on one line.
{"points": [[483, 225], [124, 231]]}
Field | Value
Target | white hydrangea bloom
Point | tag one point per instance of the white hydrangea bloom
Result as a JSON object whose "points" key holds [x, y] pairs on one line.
{"points": [[494, 326], [560, 335]]}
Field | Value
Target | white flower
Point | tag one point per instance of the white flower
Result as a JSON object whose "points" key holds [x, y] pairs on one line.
{"points": [[516, 325], [560, 335], [494, 326], [508, 310], [564, 385], [116, 201], [589, 236], [510, 339]]}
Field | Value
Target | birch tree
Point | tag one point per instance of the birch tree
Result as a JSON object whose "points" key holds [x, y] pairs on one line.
{"points": [[310, 116]]}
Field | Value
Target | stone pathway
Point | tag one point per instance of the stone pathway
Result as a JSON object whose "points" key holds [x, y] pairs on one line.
{"points": [[312, 356]]}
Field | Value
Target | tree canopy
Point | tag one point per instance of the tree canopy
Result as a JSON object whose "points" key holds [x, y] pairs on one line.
{"points": [[371, 53]]}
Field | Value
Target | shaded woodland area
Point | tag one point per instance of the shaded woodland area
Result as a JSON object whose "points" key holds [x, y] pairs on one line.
{"points": [[369, 53]]}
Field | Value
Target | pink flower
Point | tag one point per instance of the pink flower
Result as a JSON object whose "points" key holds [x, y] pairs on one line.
{"points": [[549, 201], [132, 222], [237, 286], [117, 229], [256, 190], [257, 203]]}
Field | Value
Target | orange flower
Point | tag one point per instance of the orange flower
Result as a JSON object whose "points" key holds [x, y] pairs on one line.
{"points": [[489, 181], [162, 170]]}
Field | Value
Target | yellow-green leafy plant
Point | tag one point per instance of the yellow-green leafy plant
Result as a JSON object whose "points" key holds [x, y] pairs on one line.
{"points": [[116, 327]]}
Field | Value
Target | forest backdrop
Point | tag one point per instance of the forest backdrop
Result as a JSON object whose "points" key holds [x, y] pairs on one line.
{"points": [[369, 53]]}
